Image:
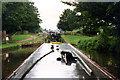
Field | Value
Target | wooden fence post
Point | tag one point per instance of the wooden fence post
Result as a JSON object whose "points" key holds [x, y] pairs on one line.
{"points": [[4, 35]]}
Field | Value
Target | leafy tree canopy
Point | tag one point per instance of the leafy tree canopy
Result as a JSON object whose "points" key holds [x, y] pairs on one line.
{"points": [[19, 16], [95, 15], [67, 20]]}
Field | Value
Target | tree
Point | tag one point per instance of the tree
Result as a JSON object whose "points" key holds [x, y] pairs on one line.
{"points": [[97, 14], [19, 16], [67, 20], [113, 15]]}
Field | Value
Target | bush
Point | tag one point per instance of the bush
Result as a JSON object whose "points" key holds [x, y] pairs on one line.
{"points": [[101, 43], [87, 43]]}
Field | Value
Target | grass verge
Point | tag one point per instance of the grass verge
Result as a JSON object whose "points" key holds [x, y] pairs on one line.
{"points": [[74, 39], [20, 37], [17, 44]]}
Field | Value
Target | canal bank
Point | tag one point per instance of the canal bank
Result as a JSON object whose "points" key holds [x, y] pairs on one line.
{"points": [[33, 39]]}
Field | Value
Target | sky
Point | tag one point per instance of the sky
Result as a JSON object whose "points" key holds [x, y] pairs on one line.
{"points": [[50, 10]]}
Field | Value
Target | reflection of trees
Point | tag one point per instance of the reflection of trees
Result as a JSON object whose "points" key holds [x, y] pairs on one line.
{"points": [[5, 56], [108, 61], [15, 58]]}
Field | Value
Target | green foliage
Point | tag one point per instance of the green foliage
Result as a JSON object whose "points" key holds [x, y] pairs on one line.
{"points": [[94, 15], [19, 16], [98, 17], [101, 43], [67, 20], [88, 43]]}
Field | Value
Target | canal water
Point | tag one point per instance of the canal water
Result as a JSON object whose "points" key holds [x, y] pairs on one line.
{"points": [[45, 63], [109, 61], [12, 58]]}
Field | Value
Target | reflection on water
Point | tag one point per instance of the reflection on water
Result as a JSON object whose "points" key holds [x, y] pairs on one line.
{"points": [[12, 58], [49, 67], [110, 61], [5, 57]]}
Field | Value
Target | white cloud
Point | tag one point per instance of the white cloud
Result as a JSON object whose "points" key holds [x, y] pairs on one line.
{"points": [[50, 10]]}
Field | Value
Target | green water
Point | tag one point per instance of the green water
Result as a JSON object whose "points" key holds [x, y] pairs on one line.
{"points": [[12, 58], [109, 61]]}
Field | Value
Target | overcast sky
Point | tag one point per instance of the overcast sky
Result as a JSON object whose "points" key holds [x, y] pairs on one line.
{"points": [[50, 10]]}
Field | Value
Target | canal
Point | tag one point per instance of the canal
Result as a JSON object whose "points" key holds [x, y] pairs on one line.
{"points": [[109, 61], [13, 57]]}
